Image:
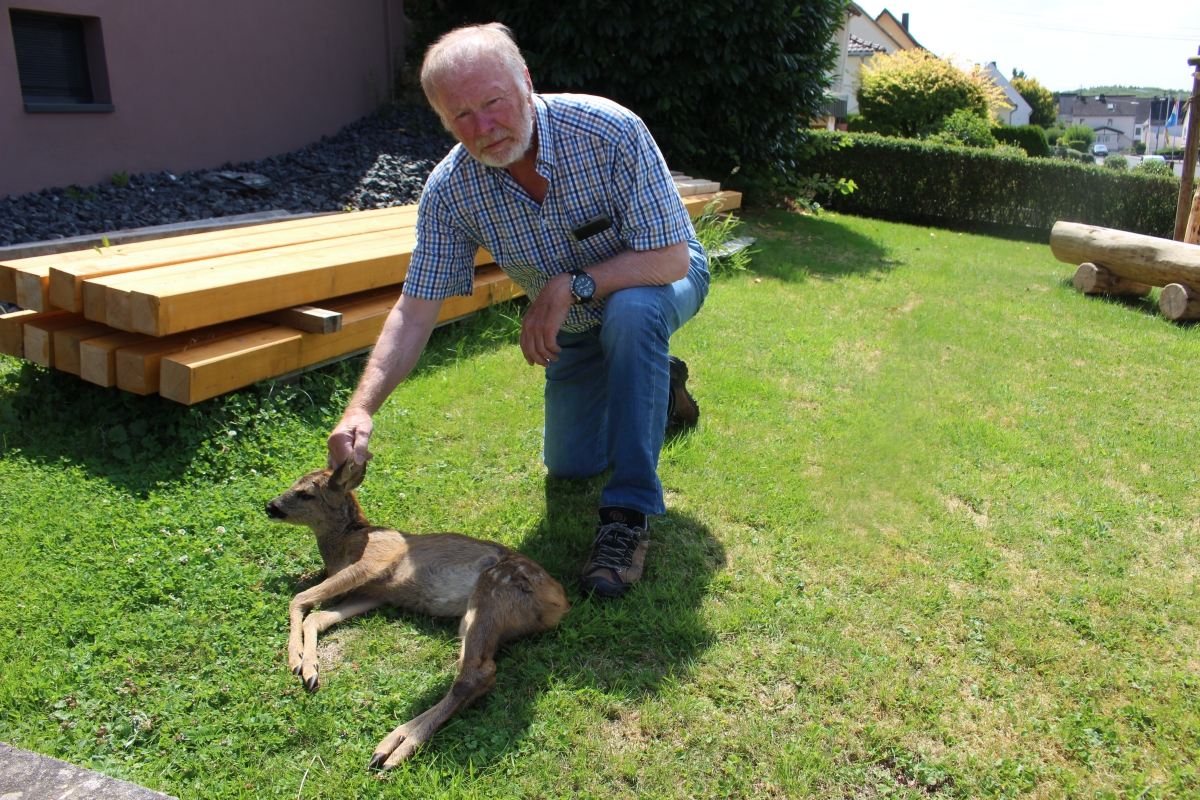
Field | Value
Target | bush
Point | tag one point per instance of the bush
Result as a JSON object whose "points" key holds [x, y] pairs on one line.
{"points": [[1066, 153], [1139, 148], [753, 72], [1041, 100], [966, 128], [1077, 144], [1010, 150], [1030, 138], [1170, 152], [1116, 161], [1054, 134], [1080, 133], [1154, 168], [925, 183], [913, 89]]}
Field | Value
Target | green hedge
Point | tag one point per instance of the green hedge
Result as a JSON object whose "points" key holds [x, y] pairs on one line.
{"points": [[1030, 138], [913, 181]]}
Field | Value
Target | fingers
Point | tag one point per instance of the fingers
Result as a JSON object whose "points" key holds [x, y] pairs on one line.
{"points": [[361, 439], [350, 438]]}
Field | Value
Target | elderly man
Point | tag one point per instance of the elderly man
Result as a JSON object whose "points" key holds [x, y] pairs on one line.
{"points": [[572, 197]]}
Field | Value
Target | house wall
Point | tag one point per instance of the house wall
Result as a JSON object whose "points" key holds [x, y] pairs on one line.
{"points": [[1124, 124], [196, 84], [1020, 112]]}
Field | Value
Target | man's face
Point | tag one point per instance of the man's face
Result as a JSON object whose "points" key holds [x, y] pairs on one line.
{"points": [[488, 110]]}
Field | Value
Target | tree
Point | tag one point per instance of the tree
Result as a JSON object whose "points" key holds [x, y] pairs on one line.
{"points": [[1041, 99], [719, 84], [914, 89], [966, 128], [1080, 133]]}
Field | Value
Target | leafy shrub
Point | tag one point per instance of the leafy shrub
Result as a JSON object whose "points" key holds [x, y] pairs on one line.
{"points": [[1030, 138], [1116, 161], [922, 182], [1066, 153], [912, 89], [1041, 99], [1054, 134], [1080, 133], [751, 71], [966, 128], [1139, 148], [1170, 152], [1010, 150], [1078, 145], [1155, 168], [714, 230]]}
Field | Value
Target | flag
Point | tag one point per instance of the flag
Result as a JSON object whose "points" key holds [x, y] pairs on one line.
{"points": [[1173, 117]]}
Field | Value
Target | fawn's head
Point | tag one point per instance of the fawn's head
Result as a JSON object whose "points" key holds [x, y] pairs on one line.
{"points": [[322, 499]]}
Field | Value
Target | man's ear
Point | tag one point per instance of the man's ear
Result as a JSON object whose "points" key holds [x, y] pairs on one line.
{"points": [[348, 477]]}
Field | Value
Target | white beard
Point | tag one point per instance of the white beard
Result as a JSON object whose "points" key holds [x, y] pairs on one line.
{"points": [[522, 136]]}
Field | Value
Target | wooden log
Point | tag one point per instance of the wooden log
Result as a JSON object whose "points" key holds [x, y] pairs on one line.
{"points": [[1192, 234], [1145, 259], [1091, 279], [307, 318], [12, 331], [1191, 150], [1179, 302], [722, 201], [206, 298], [98, 357], [106, 298], [31, 284], [139, 366], [221, 367], [38, 335], [67, 276], [66, 344]]}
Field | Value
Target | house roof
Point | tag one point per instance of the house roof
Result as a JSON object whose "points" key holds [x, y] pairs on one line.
{"points": [[1074, 105], [887, 20], [859, 46]]}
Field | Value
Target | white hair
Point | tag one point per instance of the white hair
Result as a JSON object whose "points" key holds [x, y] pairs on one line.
{"points": [[464, 45]]}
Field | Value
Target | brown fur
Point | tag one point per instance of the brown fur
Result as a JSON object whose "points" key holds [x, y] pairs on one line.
{"points": [[500, 595]]}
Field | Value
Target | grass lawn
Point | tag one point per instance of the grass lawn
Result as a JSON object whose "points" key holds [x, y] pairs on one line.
{"points": [[936, 535]]}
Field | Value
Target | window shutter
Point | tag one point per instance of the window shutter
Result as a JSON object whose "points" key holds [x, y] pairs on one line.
{"points": [[51, 57]]}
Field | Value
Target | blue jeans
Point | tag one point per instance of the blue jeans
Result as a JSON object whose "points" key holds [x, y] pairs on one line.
{"points": [[606, 396]]}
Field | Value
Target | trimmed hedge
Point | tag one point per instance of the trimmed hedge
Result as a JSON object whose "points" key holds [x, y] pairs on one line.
{"points": [[913, 181], [1030, 138]]}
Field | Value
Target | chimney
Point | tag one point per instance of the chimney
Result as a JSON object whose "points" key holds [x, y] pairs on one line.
{"points": [[904, 21]]}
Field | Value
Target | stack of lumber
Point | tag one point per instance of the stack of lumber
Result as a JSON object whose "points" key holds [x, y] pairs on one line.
{"points": [[1113, 262], [193, 317]]}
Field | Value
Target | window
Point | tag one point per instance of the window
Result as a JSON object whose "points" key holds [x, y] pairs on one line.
{"points": [[1110, 122], [60, 61]]}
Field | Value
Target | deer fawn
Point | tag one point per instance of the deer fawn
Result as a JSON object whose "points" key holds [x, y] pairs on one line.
{"points": [[500, 595]]}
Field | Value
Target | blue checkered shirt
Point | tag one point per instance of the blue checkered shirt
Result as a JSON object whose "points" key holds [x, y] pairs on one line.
{"points": [[598, 157]]}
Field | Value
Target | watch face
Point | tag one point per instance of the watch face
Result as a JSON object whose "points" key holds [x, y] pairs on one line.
{"points": [[583, 286]]}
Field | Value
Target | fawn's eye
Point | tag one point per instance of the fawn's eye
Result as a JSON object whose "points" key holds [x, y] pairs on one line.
{"points": [[304, 495]]}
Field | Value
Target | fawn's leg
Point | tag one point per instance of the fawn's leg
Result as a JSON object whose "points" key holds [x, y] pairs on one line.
{"points": [[323, 620], [344, 582]]}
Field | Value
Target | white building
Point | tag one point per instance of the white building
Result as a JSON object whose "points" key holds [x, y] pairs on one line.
{"points": [[860, 38], [1118, 121], [1021, 110]]}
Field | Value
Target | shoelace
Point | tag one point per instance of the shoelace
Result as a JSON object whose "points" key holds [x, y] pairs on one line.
{"points": [[614, 546]]}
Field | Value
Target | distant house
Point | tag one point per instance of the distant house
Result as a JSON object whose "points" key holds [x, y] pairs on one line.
{"points": [[90, 88], [860, 38], [1118, 120], [1021, 110]]}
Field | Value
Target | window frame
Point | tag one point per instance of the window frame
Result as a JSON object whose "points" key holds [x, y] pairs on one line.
{"points": [[97, 67]]}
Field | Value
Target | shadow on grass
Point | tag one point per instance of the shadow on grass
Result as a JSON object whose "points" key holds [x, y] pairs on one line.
{"points": [[795, 247], [140, 444], [1145, 305]]}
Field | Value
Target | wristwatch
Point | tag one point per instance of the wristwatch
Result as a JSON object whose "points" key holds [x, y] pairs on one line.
{"points": [[583, 287]]}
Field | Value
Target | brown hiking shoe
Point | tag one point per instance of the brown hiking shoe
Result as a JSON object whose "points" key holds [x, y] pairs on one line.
{"points": [[682, 408], [615, 564]]}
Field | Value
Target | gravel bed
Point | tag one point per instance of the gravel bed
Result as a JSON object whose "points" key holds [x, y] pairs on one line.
{"points": [[381, 160]]}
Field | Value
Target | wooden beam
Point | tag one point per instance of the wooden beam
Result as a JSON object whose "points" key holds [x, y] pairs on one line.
{"points": [[1192, 234], [114, 290], [38, 336], [98, 357], [1191, 150], [307, 318], [139, 365], [31, 284], [688, 187], [66, 344], [221, 367], [1179, 302], [1145, 259], [67, 276], [722, 201], [209, 297], [1091, 279], [12, 331]]}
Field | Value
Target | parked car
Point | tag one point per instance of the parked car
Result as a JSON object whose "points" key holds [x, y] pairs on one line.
{"points": [[1099, 149], [1159, 159]]}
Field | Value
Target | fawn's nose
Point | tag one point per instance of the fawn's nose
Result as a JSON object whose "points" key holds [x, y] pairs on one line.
{"points": [[274, 511]]}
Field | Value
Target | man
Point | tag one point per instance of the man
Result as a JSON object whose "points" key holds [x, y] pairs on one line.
{"points": [[528, 173]]}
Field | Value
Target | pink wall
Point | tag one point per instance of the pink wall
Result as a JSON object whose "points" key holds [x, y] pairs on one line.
{"points": [[196, 83]]}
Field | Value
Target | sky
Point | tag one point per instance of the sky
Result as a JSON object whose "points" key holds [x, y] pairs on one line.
{"points": [[1064, 44]]}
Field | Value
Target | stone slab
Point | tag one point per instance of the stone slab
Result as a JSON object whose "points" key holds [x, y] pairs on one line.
{"points": [[31, 776]]}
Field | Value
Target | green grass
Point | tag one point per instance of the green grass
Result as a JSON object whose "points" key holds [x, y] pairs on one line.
{"points": [[936, 535]]}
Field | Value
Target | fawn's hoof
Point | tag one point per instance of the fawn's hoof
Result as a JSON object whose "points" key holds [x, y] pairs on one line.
{"points": [[377, 762]]}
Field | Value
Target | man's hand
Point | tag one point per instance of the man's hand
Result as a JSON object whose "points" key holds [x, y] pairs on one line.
{"points": [[544, 319], [350, 438]]}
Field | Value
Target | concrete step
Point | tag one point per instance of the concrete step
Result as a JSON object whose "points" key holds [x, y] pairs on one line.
{"points": [[32, 776]]}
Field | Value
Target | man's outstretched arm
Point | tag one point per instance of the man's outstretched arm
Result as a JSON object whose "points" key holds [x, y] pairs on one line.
{"points": [[400, 344]]}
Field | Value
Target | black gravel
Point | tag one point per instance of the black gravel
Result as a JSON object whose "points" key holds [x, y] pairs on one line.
{"points": [[379, 161]]}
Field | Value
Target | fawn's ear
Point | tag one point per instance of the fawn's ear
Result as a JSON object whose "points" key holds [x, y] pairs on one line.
{"points": [[348, 477]]}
